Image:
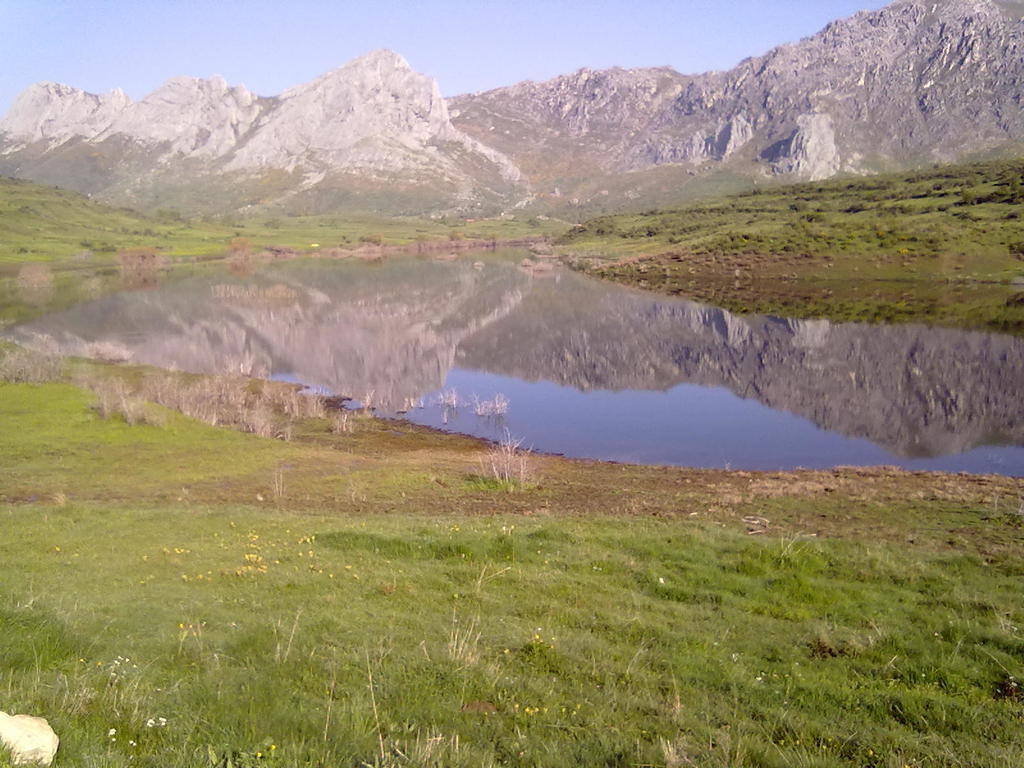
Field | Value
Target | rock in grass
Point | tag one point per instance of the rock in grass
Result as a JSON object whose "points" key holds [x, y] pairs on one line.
{"points": [[31, 740]]}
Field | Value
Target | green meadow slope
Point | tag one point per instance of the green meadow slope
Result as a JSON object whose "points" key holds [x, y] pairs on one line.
{"points": [[179, 595], [40, 223], [941, 245]]}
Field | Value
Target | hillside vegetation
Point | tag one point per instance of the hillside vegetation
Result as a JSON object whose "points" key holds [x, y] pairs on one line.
{"points": [[40, 223], [374, 596], [917, 246]]}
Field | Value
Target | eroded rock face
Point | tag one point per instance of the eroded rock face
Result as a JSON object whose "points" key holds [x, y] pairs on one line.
{"points": [[374, 117], [812, 153], [918, 79], [937, 78], [31, 740], [190, 116], [51, 112]]}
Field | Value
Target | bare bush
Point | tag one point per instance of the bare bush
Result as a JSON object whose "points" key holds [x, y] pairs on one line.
{"points": [[368, 400], [35, 277], [496, 406], [278, 484], [23, 366], [289, 401], [448, 401], [448, 398], [114, 398], [140, 260], [411, 403], [215, 400], [341, 423], [507, 462], [141, 267], [259, 420], [314, 407]]}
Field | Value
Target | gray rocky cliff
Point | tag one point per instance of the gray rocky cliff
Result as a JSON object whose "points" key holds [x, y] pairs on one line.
{"points": [[374, 118], [51, 112], [917, 79]]}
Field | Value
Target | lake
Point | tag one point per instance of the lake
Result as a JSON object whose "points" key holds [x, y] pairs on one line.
{"points": [[482, 344]]}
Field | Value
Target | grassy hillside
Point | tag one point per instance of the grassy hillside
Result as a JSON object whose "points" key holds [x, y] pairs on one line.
{"points": [[39, 223], [893, 247], [181, 595]]}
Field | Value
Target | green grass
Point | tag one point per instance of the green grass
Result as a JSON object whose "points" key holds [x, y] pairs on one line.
{"points": [[39, 223], [508, 641], [387, 607], [940, 245]]}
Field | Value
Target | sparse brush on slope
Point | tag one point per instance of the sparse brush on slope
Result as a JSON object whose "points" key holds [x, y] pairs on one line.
{"points": [[20, 365]]}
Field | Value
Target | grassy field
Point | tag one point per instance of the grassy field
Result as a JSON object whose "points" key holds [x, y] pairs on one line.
{"points": [[177, 594], [39, 223], [943, 245]]}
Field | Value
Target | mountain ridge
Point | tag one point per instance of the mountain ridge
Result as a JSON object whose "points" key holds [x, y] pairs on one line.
{"points": [[917, 81], [374, 118], [791, 109]]}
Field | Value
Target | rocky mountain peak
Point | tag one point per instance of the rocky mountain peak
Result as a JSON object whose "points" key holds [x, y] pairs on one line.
{"points": [[916, 81], [189, 116], [352, 115], [374, 117], [932, 79], [55, 112]]}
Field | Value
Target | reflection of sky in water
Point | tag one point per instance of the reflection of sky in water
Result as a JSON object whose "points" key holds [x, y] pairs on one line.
{"points": [[688, 425]]}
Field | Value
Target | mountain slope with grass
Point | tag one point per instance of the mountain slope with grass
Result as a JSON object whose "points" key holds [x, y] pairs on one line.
{"points": [[915, 82], [942, 245], [40, 223]]}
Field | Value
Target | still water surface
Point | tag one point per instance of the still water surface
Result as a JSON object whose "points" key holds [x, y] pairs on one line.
{"points": [[589, 369]]}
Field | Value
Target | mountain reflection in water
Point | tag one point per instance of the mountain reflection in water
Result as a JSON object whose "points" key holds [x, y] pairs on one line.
{"points": [[405, 328]]}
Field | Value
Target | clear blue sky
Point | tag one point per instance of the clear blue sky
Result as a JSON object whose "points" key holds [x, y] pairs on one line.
{"points": [[269, 45]]}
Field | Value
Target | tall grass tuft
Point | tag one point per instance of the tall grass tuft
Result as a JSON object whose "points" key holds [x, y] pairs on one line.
{"points": [[464, 642]]}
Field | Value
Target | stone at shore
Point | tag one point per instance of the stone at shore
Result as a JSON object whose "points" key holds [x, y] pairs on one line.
{"points": [[30, 739]]}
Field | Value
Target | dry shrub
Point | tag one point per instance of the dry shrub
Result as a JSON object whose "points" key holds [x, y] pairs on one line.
{"points": [[292, 405], [35, 284], [35, 277], [23, 366], [240, 256], [141, 267], [260, 421], [215, 400], [109, 351], [316, 407], [496, 406], [342, 423], [296, 405], [507, 463], [114, 398], [140, 259]]}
